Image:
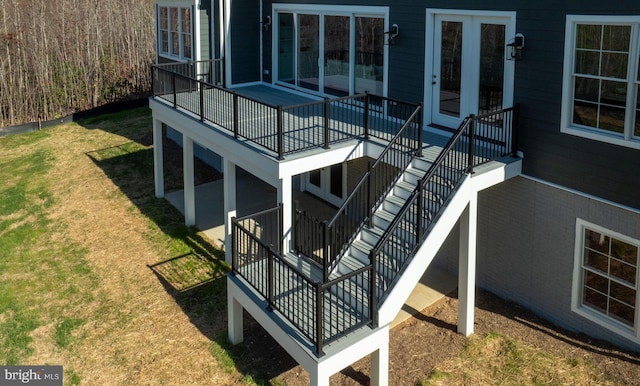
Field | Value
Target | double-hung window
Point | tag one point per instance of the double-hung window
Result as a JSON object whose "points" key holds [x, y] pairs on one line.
{"points": [[606, 279], [174, 32], [602, 79]]}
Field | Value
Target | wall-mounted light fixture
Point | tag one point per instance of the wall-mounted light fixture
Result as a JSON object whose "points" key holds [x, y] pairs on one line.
{"points": [[392, 34], [515, 47], [266, 23]]}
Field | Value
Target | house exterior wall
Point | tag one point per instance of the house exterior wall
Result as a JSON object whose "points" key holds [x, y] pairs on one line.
{"points": [[526, 247], [205, 33], [245, 41]]}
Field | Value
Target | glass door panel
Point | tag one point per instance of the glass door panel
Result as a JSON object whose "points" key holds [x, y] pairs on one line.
{"points": [[335, 180], [369, 60], [450, 75], [492, 46], [309, 51], [286, 48], [337, 57]]}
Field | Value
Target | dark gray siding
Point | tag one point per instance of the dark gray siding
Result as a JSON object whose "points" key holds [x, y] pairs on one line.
{"points": [[593, 167], [604, 170], [245, 41]]}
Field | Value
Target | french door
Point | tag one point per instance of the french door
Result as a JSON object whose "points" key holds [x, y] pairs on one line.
{"points": [[330, 54], [470, 70]]}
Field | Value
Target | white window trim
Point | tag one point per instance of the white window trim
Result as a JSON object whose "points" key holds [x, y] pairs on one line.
{"points": [[631, 333], [430, 21], [195, 52], [566, 116], [328, 10]]}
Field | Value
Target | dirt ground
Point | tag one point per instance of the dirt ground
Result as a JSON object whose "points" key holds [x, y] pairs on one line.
{"points": [[429, 339]]}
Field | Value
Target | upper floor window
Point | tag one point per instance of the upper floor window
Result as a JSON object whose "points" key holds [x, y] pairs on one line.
{"points": [[174, 35], [606, 282], [602, 79]]}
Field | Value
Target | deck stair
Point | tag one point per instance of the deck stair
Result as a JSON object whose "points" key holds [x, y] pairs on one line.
{"points": [[345, 291]]}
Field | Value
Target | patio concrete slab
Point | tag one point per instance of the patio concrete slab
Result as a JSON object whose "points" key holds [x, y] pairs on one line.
{"points": [[434, 285], [254, 195]]}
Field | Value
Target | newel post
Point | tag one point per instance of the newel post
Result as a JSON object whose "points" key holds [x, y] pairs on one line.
{"points": [[365, 122], [201, 101], [515, 130], [472, 139], [373, 289], [326, 106], [235, 114], [420, 211], [173, 87], [280, 133], [325, 251]]}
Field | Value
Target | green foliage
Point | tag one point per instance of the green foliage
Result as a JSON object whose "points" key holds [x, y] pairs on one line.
{"points": [[64, 330]]}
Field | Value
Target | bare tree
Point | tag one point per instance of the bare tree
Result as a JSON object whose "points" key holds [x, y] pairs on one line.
{"points": [[65, 56]]}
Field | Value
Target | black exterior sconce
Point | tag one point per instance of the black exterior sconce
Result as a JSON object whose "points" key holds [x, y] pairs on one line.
{"points": [[516, 47], [266, 23], [392, 34]]}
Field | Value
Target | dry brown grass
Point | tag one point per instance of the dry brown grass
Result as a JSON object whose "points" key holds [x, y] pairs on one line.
{"points": [[134, 333]]}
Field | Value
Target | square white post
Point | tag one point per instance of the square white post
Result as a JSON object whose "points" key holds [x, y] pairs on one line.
{"points": [[285, 197], [317, 379], [230, 203], [158, 158], [234, 319], [189, 183], [380, 363], [467, 267]]}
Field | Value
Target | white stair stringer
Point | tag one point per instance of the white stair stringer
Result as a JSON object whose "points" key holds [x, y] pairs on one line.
{"points": [[411, 275]]}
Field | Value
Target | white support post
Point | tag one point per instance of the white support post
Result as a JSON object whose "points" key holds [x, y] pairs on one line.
{"points": [[189, 183], [285, 197], [230, 203], [235, 322], [317, 379], [467, 264], [380, 363], [158, 158]]}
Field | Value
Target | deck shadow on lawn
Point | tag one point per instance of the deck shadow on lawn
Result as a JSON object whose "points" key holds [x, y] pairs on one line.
{"points": [[196, 279]]}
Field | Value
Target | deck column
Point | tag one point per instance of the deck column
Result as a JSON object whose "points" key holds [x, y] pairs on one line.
{"points": [[230, 203], [285, 196], [317, 379], [189, 181], [467, 264], [235, 322], [380, 362], [158, 158]]}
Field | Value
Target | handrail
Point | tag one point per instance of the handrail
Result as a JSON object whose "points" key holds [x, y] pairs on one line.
{"points": [[359, 206], [292, 285], [354, 298], [422, 209]]}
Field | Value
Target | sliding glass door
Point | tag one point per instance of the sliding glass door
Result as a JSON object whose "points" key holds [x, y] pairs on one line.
{"points": [[330, 53], [337, 55], [309, 52]]}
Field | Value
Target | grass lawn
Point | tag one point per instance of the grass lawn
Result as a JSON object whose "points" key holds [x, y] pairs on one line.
{"points": [[101, 277], [97, 274]]}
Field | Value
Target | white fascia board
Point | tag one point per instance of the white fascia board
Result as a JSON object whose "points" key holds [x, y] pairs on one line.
{"points": [[333, 361], [261, 165], [412, 274], [292, 166]]}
